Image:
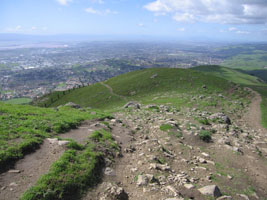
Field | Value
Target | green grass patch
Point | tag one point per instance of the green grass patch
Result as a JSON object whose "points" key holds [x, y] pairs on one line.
{"points": [[78, 169], [23, 128], [19, 101], [165, 127]]}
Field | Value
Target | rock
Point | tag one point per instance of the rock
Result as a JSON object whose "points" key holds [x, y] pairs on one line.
{"points": [[13, 184], [109, 172], [229, 177], [243, 196], [154, 76], [225, 198], [160, 167], [211, 190], [189, 186], [52, 140], [132, 104], [175, 198], [63, 142], [171, 190], [142, 180], [113, 192], [220, 116], [14, 171], [73, 105], [206, 155]]}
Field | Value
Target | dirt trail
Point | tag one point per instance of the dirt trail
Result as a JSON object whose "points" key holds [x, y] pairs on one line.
{"points": [[111, 91], [32, 166], [253, 116]]}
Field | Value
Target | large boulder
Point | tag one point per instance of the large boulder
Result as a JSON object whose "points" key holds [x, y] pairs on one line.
{"points": [[114, 192], [132, 104], [211, 190], [221, 117], [73, 105]]}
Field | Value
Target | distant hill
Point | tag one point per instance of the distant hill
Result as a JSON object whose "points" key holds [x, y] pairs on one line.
{"points": [[233, 75], [148, 86]]}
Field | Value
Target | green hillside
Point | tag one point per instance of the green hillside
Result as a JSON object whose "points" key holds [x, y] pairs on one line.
{"points": [[230, 74], [161, 85]]}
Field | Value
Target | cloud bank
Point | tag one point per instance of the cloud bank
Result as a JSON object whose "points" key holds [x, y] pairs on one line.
{"points": [[212, 11]]}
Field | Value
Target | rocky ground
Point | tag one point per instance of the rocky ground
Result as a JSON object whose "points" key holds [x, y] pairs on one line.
{"points": [[177, 164], [165, 156]]}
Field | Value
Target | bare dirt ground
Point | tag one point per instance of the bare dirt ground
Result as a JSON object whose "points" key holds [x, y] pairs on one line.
{"points": [[253, 117]]}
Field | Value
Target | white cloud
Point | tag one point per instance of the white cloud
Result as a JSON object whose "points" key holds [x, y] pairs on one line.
{"points": [[97, 1], [232, 29], [242, 32], [181, 29], [186, 17], [100, 12], [215, 11], [64, 2], [141, 25]]}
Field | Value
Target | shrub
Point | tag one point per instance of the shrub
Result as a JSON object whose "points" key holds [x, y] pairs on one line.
{"points": [[205, 135]]}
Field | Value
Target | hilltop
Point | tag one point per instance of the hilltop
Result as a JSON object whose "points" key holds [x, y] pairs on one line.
{"points": [[140, 85], [173, 134]]}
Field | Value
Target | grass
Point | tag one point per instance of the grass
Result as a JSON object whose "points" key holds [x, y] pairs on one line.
{"points": [[23, 128], [205, 135], [230, 74], [19, 101], [78, 169], [179, 81], [165, 127]]}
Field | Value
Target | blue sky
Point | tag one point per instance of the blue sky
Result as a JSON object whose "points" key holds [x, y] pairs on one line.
{"points": [[216, 19]]}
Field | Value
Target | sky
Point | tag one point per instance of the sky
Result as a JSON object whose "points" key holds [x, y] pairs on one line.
{"points": [[196, 19]]}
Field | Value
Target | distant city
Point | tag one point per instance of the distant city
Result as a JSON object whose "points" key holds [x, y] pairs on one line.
{"points": [[32, 70]]}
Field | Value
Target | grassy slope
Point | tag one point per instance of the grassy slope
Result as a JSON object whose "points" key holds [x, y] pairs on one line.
{"points": [[19, 101], [23, 128], [243, 79], [230, 74], [145, 88]]}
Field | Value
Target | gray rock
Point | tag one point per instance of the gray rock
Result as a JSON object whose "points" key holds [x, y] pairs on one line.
{"points": [[109, 172], [113, 192], [142, 180], [243, 196], [225, 198], [14, 171], [63, 142], [222, 117], [73, 105], [132, 104], [211, 190]]}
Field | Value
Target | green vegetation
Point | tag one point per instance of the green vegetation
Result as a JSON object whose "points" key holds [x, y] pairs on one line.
{"points": [[76, 170], [176, 134], [19, 101], [23, 127], [233, 75], [165, 127], [139, 86], [205, 135]]}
